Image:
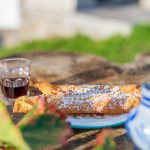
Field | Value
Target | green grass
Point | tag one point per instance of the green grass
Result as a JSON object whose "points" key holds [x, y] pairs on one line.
{"points": [[117, 48]]}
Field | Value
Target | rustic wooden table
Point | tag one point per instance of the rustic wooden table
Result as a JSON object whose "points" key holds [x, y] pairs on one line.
{"points": [[66, 68]]}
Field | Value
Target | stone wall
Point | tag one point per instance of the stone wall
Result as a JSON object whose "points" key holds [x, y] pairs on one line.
{"points": [[8, 37], [49, 6], [50, 18], [60, 18], [145, 4]]}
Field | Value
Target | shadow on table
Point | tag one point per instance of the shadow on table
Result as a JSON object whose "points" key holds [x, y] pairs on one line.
{"points": [[83, 139], [123, 143], [89, 76]]}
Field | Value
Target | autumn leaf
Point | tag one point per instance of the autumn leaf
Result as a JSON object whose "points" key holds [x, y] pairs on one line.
{"points": [[44, 127], [104, 140]]}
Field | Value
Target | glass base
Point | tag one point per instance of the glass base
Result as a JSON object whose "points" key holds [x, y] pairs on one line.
{"points": [[8, 101], [9, 104]]}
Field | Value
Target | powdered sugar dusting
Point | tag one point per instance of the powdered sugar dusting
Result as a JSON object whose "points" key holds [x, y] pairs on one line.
{"points": [[90, 96]]}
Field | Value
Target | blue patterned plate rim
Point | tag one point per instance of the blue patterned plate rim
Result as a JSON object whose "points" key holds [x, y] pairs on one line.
{"points": [[105, 122], [98, 126]]}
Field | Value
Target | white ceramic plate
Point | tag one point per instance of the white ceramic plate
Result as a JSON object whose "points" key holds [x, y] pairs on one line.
{"points": [[96, 121]]}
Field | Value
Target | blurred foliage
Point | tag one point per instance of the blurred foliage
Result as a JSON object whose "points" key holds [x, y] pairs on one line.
{"points": [[104, 140], [117, 48], [44, 131], [44, 126], [40, 128], [10, 136]]}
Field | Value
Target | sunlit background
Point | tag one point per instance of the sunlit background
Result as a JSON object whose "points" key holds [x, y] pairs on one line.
{"points": [[109, 28]]}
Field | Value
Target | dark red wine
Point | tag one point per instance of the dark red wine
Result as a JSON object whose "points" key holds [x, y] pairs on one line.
{"points": [[14, 87], [14, 92]]}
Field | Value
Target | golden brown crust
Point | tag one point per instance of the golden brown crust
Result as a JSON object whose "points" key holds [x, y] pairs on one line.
{"points": [[115, 102], [101, 99], [23, 104]]}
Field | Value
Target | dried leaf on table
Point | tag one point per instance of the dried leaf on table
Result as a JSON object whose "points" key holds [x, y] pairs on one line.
{"points": [[104, 140]]}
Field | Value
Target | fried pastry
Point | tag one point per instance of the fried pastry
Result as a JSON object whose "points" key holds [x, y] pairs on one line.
{"points": [[100, 99], [89, 99], [24, 104]]}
